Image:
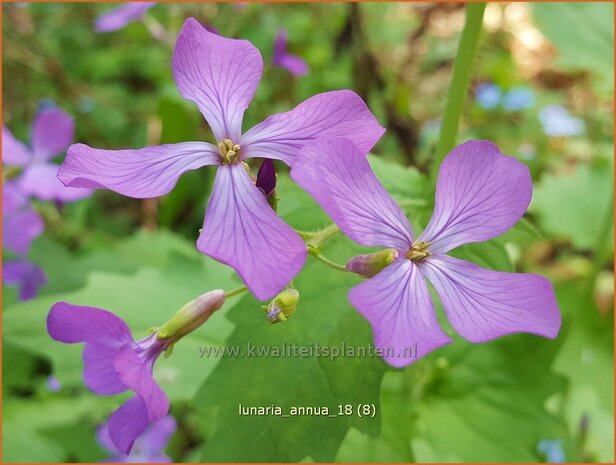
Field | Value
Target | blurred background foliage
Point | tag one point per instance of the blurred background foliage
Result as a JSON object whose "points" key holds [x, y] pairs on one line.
{"points": [[542, 89]]}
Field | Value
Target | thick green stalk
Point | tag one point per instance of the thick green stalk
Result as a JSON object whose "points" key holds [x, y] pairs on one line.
{"points": [[460, 80]]}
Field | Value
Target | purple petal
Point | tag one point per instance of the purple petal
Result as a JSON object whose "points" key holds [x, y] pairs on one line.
{"points": [[243, 231], [99, 373], [143, 173], [340, 179], [397, 304], [13, 199], [103, 439], [136, 373], [52, 133], [293, 64], [480, 194], [75, 323], [20, 229], [14, 152], [159, 433], [220, 75], [41, 181], [26, 275], [339, 113], [127, 423], [122, 16], [483, 304]]}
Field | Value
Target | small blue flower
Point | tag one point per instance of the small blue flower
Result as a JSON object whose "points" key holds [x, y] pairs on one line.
{"points": [[558, 122], [488, 95], [519, 98], [552, 450]]}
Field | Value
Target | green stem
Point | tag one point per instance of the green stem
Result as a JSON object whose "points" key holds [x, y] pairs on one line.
{"points": [[322, 235], [235, 292], [460, 80], [322, 258]]}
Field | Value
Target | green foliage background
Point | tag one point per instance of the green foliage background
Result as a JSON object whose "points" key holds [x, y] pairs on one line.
{"points": [[488, 402]]}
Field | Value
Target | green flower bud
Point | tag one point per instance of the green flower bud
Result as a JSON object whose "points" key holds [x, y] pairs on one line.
{"points": [[282, 307], [368, 265], [191, 316]]}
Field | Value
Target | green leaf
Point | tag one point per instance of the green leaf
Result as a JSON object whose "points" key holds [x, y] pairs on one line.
{"points": [[575, 206], [487, 402], [583, 33]]}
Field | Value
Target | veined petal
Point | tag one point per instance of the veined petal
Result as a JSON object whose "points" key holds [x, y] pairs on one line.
{"points": [[243, 231], [340, 179], [127, 423], [52, 132], [397, 304], [136, 373], [14, 152], [122, 16], [75, 323], [40, 180], [19, 229], [220, 75], [339, 113], [483, 304], [26, 275], [143, 173], [99, 374], [480, 194]]}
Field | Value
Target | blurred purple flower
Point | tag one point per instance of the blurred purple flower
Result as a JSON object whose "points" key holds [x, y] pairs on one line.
{"points": [[558, 122], [518, 98], [480, 194], [52, 133], [114, 362], [148, 448], [488, 95], [220, 75], [53, 384], [122, 16], [292, 63], [20, 226]]}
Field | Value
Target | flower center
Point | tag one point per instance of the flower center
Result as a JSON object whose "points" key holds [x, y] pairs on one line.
{"points": [[229, 152], [418, 251]]}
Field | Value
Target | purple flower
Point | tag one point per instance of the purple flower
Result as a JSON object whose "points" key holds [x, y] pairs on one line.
{"points": [[52, 133], [114, 362], [480, 194], [20, 226], [27, 276], [220, 75], [148, 448], [53, 384], [292, 63], [552, 450], [122, 16]]}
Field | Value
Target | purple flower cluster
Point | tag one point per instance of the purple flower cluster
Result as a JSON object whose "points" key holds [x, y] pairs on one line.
{"points": [[480, 194], [52, 132]]}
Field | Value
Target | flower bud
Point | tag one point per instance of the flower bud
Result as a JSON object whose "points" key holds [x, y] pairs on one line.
{"points": [[368, 265], [282, 307], [266, 182], [191, 316]]}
